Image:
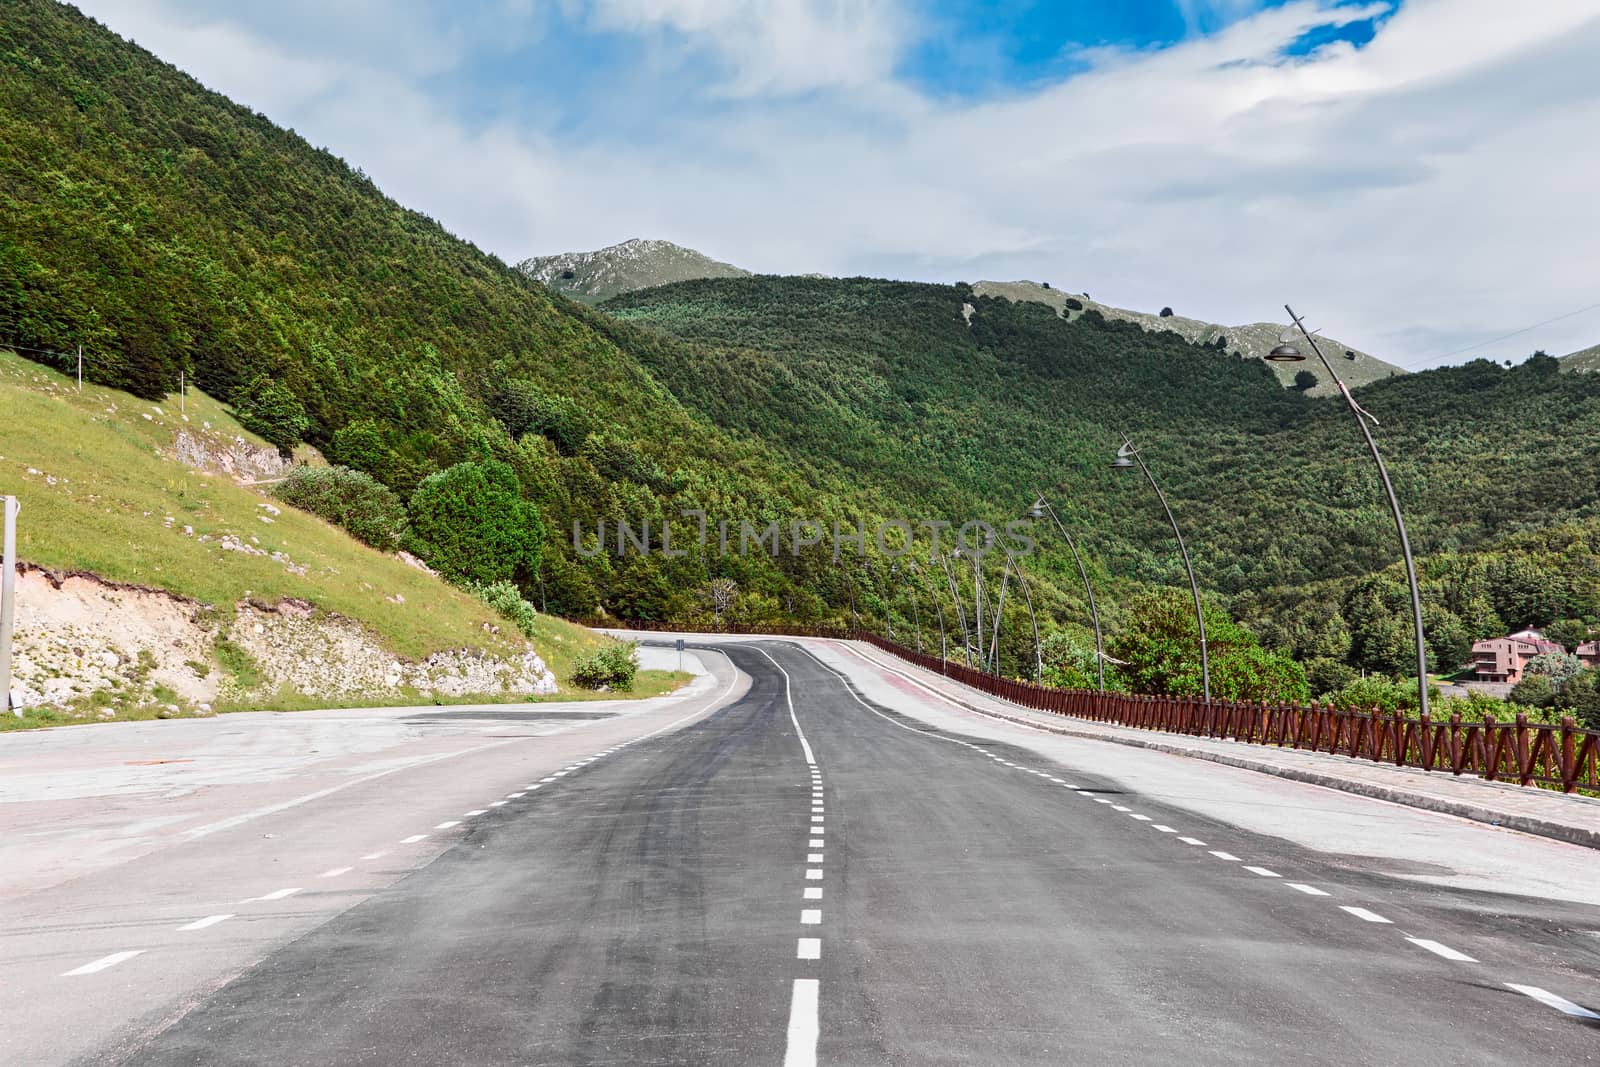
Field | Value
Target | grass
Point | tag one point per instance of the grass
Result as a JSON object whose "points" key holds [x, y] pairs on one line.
{"points": [[103, 492]]}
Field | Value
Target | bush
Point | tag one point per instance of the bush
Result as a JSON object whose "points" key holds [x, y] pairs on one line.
{"points": [[368, 510], [470, 523], [523, 407], [611, 666], [506, 598], [1166, 313], [1538, 690], [266, 408]]}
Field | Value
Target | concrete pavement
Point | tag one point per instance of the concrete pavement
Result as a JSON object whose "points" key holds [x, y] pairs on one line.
{"points": [[837, 867]]}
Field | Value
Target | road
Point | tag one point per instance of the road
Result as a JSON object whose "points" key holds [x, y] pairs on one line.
{"points": [[829, 867]]}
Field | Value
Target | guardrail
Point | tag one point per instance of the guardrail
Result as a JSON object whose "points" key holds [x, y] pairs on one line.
{"points": [[1528, 753]]}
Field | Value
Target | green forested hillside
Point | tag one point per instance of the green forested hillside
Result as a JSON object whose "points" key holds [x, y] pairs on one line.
{"points": [[169, 231], [1277, 495]]}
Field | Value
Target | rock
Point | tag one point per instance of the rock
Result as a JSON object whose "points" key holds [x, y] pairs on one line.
{"points": [[167, 712], [107, 713]]}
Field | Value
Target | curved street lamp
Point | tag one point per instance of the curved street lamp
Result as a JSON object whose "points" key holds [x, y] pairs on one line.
{"points": [[955, 598], [1040, 508], [916, 615], [1012, 566], [1128, 456], [938, 608], [1287, 353]]}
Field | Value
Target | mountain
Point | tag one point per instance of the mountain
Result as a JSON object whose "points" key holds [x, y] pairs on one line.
{"points": [[1587, 359], [1254, 339], [622, 268]]}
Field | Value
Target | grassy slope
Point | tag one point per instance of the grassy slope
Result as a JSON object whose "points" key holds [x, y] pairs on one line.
{"points": [[116, 484]]}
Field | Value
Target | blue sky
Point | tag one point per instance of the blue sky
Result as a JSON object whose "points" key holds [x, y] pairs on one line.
{"points": [[1419, 174]]}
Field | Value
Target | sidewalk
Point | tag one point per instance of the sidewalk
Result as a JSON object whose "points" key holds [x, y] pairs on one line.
{"points": [[1570, 818]]}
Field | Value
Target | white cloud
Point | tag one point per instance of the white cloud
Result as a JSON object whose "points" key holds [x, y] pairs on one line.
{"points": [[1429, 189]]}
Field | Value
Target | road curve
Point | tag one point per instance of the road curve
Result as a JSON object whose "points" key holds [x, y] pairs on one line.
{"points": [[806, 876]]}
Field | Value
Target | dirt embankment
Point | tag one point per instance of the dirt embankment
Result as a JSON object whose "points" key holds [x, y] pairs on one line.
{"points": [[84, 642]]}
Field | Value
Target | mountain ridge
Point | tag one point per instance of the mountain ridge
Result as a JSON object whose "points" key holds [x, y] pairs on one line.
{"points": [[637, 263]]}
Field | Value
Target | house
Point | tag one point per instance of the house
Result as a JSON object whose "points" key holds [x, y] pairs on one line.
{"points": [[1503, 659], [1589, 653]]}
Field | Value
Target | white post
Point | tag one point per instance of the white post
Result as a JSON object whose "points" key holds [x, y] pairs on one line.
{"points": [[8, 596], [80, 368], [183, 399]]}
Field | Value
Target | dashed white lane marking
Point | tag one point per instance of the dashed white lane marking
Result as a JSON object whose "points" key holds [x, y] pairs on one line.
{"points": [[1101, 800], [336, 872], [1308, 890], [816, 818], [447, 824], [276, 894], [473, 813], [1085, 793], [1229, 856], [813, 875], [1136, 815], [497, 803], [1441, 950], [559, 774], [788, 696], [1363, 914], [810, 916], [103, 962], [813, 857], [1263, 872], [1164, 828], [815, 842], [1543, 996], [1192, 841], [808, 948], [515, 796], [551, 778], [373, 855], [209, 920], [413, 839], [803, 1028], [1119, 807], [813, 892]]}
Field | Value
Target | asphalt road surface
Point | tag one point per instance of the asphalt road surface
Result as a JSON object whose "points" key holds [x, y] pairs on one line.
{"points": [[807, 875]]}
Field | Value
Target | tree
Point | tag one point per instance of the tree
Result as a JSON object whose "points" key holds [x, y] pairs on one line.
{"points": [[1568, 633], [1557, 666], [470, 523], [1160, 650], [269, 409], [719, 593], [1166, 313], [1068, 662], [1304, 380]]}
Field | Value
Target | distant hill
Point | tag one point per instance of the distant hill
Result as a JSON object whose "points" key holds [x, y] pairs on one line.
{"points": [[1587, 359], [636, 264], [1255, 339]]}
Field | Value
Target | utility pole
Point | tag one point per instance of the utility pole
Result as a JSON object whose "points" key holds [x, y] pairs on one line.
{"points": [[8, 596]]}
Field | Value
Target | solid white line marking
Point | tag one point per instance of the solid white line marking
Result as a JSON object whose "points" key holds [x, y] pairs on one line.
{"points": [[1192, 841], [413, 839], [1363, 914], [209, 920], [1543, 996], [1229, 856], [473, 812], [1136, 815], [372, 855], [336, 872], [1263, 872], [788, 695], [815, 842], [1441, 950], [276, 894], [813, 892], [813, 875], [108, 961], [1309, 890], [447, 824], [808, 948], [1164, 828], [813, 857], [803, 1028], [810, 916]]}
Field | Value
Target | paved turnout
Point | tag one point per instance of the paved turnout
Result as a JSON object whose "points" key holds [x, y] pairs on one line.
{"points": [[806, 876]]}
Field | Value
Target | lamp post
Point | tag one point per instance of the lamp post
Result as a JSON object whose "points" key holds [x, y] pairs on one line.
{"points": [[1038, 648], [1287, 353], [916, 614], [1128, 456], [1040, 508], [961, 614], [938, 609]]}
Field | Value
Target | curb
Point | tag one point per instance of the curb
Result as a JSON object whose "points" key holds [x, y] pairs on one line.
{"points": [[1528, 824]]}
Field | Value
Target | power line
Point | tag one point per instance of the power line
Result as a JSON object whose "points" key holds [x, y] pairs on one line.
{"points": [[1513, 333]]}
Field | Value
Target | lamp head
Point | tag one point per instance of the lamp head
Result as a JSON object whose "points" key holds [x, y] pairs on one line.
{"points": [[1124, 458], [1286, 353], [1037, 511]]}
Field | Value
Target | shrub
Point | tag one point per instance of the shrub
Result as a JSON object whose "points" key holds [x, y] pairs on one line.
{"points": [[266, 408], [470, 523], [1166, 313], [506, 598], [1305, 380], [523, 407], [350, 499], [611, 666]]}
